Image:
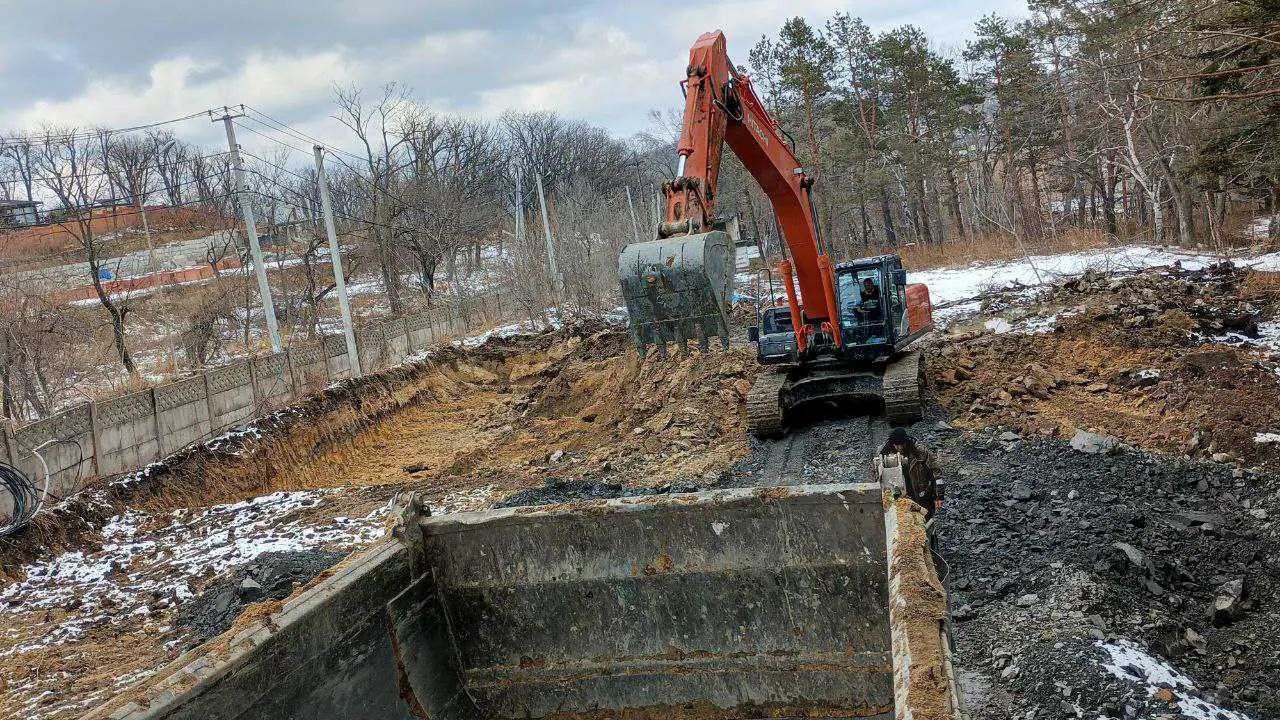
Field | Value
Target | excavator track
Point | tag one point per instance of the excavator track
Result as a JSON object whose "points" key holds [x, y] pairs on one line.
{"points": [[903, 388], [764, 405]]}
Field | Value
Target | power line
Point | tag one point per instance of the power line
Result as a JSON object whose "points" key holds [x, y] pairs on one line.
{"points": [[86, 134], [299, 134], [285, 127], [370, 223], [276, 140], [45, 180]]}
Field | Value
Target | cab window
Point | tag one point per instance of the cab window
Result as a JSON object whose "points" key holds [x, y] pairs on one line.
{"points": [[861, 301], [776, 320]]}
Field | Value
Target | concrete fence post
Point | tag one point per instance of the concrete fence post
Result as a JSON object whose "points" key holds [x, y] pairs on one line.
{"points": [[253, 384], [7, 430], [208, 401], [409, 347], [95, 432], [155, 421], [293, 378]]}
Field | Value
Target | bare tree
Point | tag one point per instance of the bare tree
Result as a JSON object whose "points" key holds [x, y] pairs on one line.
{"points": [[380, 126], [74, 169]]}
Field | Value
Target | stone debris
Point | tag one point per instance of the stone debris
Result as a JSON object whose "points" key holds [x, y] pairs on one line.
{"points": [[1087, 442]]}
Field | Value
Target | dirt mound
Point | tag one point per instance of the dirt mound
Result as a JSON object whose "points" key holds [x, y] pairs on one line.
{"points": [[1143, 358]]}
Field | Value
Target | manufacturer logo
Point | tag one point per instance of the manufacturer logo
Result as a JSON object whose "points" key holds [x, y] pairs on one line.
{"points": [[755, 128]]}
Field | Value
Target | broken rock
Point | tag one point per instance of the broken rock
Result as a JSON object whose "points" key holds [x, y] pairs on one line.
{"points": [[1093, 443], [251, 590], [1226, 606]]}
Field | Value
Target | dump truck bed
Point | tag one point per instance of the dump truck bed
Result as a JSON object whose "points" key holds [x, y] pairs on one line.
{"points": [[743, 603]]}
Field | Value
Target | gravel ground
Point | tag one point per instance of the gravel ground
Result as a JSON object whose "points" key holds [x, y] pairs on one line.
{"points": [[1083, 584], [1064, 561]]}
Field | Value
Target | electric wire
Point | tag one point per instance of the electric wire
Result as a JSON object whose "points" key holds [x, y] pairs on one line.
{"points": [[86, 134], [45, 181], [25, 495], [285, 127]]}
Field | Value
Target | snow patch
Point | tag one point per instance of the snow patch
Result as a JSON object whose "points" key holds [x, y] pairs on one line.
{"points": [[1129, 662], [156, 558], [999, 326]]}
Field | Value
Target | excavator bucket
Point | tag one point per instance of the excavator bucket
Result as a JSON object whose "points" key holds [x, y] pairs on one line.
{"points": [[779, 602], [677, 289]]}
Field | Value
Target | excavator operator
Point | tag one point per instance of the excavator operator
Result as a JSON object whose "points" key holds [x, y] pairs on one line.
{"points": [[870, 305]]}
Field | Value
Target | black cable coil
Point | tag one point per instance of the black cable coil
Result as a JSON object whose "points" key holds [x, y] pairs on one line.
{"points": [[27, 498]]}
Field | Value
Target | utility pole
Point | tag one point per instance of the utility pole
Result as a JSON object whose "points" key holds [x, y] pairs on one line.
{"points": [[551, 246], [251, 227], [635, 226], [335, 256]]}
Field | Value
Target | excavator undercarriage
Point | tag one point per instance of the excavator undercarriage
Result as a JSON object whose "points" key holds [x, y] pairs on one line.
{"points": [[896, 384]]}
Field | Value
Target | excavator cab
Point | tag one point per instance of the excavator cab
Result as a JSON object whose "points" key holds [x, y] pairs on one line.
{"points": [[871, 295], [879, 315]]}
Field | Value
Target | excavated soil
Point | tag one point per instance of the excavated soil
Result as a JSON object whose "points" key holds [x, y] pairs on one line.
{"points": [[1079, 579], [1183, 363], [161, 561]]}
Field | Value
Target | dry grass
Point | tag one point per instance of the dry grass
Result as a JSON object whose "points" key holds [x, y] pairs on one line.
{"points": [[993, 248], [1261, 284]]}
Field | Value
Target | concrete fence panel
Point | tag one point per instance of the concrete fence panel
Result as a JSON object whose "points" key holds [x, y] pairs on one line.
{"points": [[372, 344], [418, 327], [310, 368], [126, 432], [335, 353], [397, 341], [271, 380], [231, 396], [182, 413], [70, 460]]}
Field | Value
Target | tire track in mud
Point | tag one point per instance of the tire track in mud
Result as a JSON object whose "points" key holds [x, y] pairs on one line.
{"points": [[832, 444]]}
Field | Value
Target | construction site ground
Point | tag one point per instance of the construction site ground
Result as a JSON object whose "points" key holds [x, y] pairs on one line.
{"points": [[1108, 529]]}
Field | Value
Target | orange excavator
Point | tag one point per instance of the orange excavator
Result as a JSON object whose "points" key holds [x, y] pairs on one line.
{"points": [[846, 328]]}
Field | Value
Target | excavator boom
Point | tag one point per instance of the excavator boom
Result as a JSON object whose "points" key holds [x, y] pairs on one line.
{"points": [[672, 287], [855, 319], [722, 106]]}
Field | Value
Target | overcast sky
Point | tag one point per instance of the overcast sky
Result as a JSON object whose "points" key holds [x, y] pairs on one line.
{"points": [[115, 64]]}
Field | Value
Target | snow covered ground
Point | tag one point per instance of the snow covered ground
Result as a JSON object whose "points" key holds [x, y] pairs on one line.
{"points": [[1129, 662], [956, 291], [145, 556]]}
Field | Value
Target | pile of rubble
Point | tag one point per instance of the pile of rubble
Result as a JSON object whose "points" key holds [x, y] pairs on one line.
{"points": [[1079, 576], [1164, 359]]}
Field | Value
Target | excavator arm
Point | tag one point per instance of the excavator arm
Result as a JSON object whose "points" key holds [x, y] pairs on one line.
{"points": [[721, 106]]}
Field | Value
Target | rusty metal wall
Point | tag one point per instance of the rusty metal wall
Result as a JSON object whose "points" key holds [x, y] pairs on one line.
{"points": [[729, 604]]}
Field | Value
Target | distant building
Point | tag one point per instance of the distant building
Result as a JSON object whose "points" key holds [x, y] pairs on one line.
{"points": [[21, 213]]}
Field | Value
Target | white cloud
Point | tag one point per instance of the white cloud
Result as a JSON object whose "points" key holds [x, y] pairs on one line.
{"points": [[607, 63]]}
